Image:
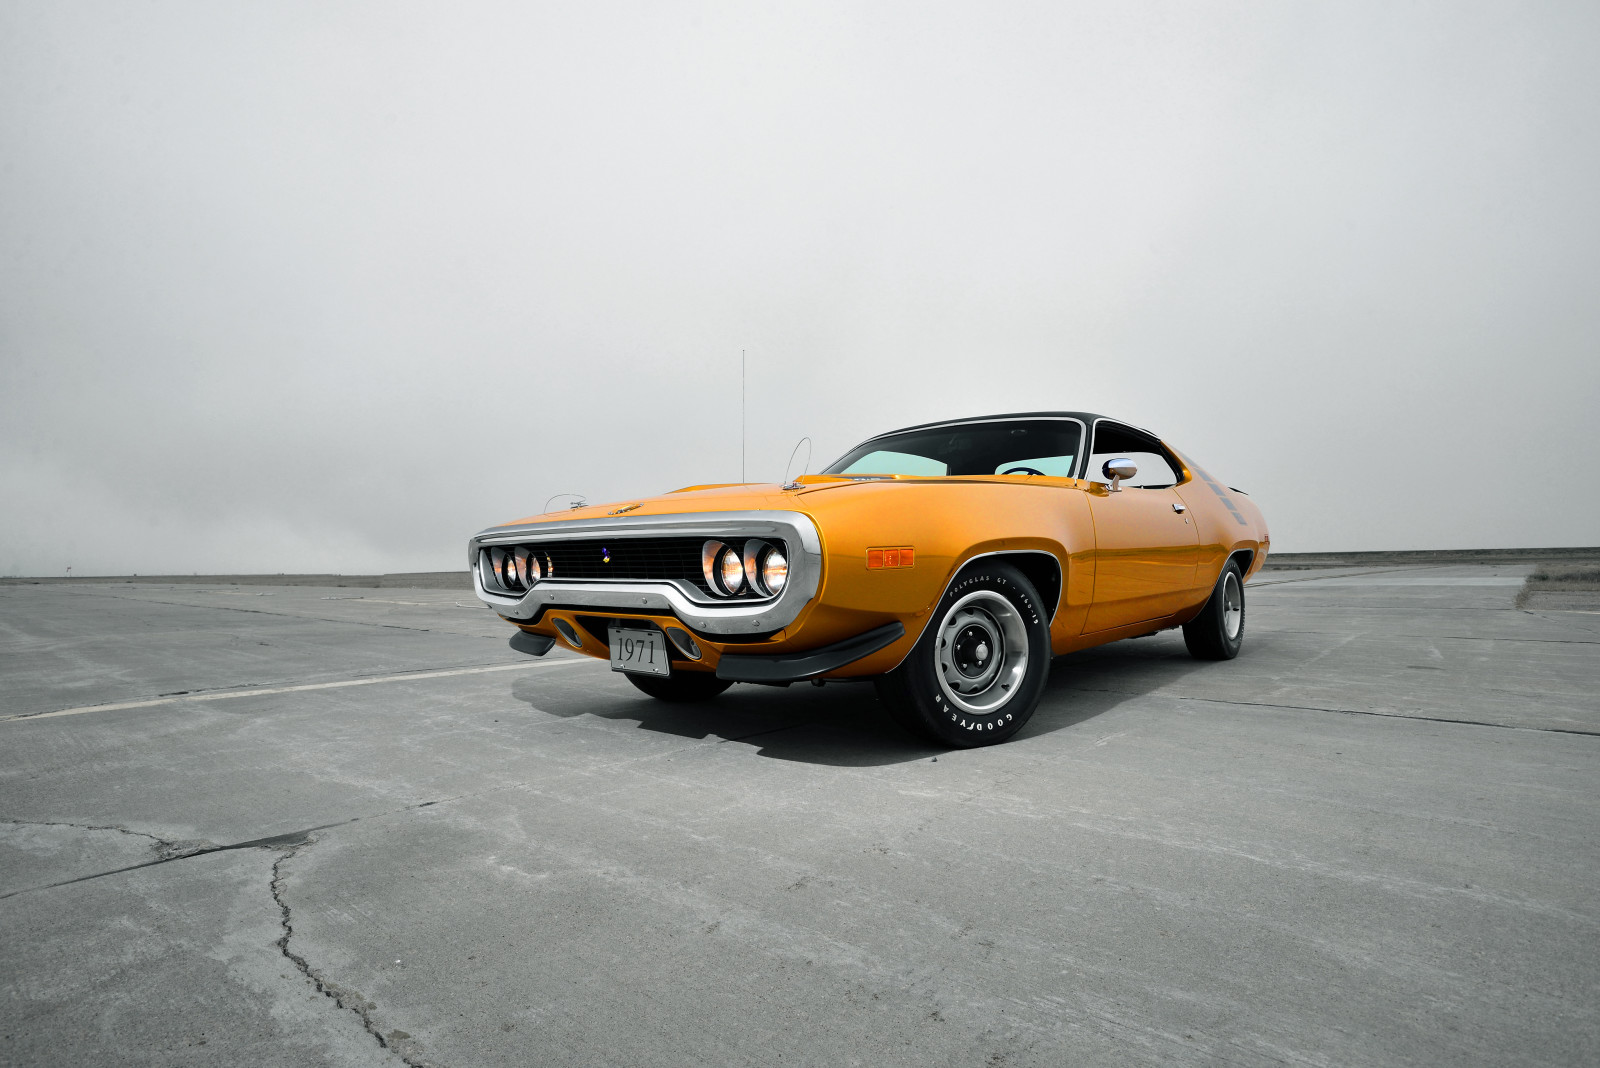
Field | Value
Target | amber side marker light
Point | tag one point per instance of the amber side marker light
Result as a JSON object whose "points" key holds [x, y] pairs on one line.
{"points": [[879, 559]]}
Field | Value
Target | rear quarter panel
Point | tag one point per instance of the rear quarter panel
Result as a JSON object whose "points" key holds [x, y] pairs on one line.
{"points": [[1227, 522]]}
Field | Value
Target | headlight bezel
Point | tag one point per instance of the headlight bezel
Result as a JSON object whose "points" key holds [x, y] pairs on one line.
{"points": [[513, 568], [741, 570]]}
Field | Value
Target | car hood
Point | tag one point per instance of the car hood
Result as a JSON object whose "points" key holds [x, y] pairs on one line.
{"points": [[740, 497]]}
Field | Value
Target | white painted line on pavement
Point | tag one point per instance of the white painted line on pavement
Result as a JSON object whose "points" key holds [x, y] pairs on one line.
{"points": [[266, 690]]}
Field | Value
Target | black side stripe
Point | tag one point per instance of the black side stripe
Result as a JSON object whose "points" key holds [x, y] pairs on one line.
{"points": [[1218, 490]]}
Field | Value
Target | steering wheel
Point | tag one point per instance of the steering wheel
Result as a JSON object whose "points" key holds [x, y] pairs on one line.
{"points": [[1024, 471]]}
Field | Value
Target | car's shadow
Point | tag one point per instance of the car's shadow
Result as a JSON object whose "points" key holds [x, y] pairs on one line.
{"points": [[843, 724]]}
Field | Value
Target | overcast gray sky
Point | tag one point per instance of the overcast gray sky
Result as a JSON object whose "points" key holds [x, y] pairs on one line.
{"points": [[322, 286]]}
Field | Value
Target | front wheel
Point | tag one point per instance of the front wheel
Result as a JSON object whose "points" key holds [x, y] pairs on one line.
{"points": [[680, 686], [1218, 631], [976, 675]]}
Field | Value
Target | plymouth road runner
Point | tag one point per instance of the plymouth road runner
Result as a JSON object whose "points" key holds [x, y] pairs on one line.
{"points": [[948, 563]]}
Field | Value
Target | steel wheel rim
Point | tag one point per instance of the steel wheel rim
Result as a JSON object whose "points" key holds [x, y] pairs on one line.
{"points": [[981, 680], [1232, 606]]}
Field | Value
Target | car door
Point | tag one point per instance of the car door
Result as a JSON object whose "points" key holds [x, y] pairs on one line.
{"points": [[1146, 545]]}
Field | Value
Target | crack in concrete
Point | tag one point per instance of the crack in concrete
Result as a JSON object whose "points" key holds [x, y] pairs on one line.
{"points": [[276, 841], [166, 849], [185, 850], [396, 1041]]}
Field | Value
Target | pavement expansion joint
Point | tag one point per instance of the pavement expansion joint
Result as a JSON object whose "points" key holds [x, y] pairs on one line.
{"points": [[397, 1042], [1342, 575], [1544, 615], [1348, 712], [1496, 638]]}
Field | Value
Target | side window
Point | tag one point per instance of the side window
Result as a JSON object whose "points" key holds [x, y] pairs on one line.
{"points": [[1157, 470]]}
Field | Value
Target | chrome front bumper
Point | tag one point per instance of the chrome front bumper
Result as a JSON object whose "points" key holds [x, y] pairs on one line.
{"points": [[689, 603]]}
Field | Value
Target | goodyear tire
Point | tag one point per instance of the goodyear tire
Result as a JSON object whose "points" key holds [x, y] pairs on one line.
{"points": [[1218, 631], [976, 675], [681, 686]]}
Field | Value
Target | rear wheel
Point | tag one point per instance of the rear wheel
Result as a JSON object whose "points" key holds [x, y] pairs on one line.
{"points": [[680, 685], [976, 675], [1218, 631]]}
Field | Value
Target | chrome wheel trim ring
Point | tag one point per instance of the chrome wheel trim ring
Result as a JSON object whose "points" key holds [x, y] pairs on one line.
{"points": [[1004, 667], [1232, 606]]}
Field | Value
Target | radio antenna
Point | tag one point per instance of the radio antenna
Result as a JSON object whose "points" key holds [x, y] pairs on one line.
{"points": [[578, 500], [795, 484], [741, 415]]}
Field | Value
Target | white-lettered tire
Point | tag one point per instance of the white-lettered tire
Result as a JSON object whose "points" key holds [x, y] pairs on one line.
{"points": [[1217, 633], [680, 686], [976, 674]]}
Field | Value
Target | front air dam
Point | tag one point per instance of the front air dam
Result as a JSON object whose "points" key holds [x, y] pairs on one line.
{"points": [[796, 666]]}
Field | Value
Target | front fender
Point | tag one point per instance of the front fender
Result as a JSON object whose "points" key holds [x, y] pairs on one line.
{"points": [[948, 524]]}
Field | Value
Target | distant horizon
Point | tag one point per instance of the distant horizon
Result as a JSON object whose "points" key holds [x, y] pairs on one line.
{"points": [[330, 288]]}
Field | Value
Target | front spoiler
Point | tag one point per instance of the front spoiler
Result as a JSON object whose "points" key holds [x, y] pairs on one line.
{"points": [[795, 666], [532, 644]]}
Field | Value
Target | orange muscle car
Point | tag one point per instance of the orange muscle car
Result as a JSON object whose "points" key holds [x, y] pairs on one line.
{"points": [[947, 563]]}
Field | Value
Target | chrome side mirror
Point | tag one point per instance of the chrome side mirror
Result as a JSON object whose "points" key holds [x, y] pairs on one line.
{"points": [[1118, 470]]}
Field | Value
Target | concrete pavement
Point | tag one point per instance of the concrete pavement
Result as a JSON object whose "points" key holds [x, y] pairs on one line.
{"points": [[305, 826]]}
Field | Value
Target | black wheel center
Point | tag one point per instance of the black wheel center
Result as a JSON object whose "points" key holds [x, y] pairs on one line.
{"points": [[973, 650]]}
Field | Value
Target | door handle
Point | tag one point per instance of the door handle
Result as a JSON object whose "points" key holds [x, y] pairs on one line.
{"points": [[1176, 507]]}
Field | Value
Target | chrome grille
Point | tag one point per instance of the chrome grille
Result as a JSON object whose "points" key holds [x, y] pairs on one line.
{"points": [[619, 559]]}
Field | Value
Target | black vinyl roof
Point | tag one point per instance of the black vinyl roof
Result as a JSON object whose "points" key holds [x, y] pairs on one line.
{"points": [[1087, 418]]}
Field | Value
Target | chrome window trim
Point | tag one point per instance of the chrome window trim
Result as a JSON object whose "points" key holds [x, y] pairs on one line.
{"points": [[1089, 452], [687, 602], [1083, 440]]}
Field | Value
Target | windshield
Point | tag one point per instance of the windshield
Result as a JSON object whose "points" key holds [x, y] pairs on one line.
{"points": [[1012, 446]]}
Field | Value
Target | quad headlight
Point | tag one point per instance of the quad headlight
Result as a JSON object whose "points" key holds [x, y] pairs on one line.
{"points": [[515, 570], [528, 569], [757, 568], [497, 565], [723, 569], [765, 568], [730, 570], [773, 571]]}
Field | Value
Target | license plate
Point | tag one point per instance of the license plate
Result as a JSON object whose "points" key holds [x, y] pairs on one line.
{"points": [[643, 652]]}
